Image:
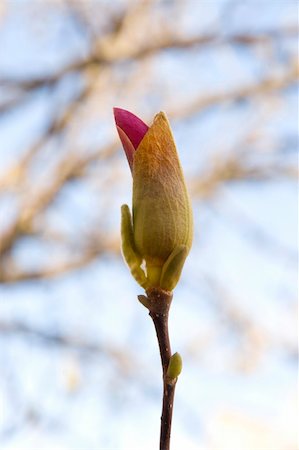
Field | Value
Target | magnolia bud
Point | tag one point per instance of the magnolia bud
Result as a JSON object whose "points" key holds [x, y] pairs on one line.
{"points": [[162, 228]]}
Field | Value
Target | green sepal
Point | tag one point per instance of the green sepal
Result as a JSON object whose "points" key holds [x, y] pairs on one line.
{"points": [[173, 267], [132, 258], [175, 366]]}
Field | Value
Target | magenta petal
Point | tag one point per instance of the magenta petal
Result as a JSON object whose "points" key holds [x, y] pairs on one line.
{"points": [[131, 125], [127, 145]]}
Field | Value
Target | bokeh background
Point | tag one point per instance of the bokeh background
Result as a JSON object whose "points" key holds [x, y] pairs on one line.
{"points": [[79, 363]]}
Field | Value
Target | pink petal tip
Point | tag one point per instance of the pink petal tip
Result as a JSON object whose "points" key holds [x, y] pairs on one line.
{"points": [[134, 127], [131, 131]]}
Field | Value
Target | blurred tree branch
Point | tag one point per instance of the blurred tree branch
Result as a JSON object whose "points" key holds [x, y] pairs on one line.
{"points": [[125, 56], [232, 168], [122, 358], [109, 46], [109, 52]]}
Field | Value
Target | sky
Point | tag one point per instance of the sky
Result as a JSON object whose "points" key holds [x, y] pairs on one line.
{"points": [[234, 316]]}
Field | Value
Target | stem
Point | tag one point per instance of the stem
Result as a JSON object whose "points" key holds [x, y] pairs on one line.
{"points": [[158, 302], [161, 325]]}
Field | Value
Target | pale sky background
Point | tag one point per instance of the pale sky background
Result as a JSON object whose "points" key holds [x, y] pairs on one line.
{"points": [[236, 391]]}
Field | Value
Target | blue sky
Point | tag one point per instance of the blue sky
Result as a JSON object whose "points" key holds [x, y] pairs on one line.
{"points": [[234, 314]]}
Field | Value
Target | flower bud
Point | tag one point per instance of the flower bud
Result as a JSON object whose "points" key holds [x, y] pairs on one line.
{"points": [[161, 230], [175, 366]]}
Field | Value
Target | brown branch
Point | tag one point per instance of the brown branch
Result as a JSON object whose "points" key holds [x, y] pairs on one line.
{"points": [[158, 303], [175, 42], [104, 56], [199, 104], [72, 166], [68, 169], [122, 357], [11, 273], [238, 166], [269, 84], [55, 127]]}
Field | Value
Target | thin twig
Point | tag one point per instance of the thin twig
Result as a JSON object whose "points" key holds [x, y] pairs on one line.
{"points": [[158, 302]]}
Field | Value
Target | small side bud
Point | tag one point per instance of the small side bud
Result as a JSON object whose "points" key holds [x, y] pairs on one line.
{"points": [[175, 366], [144, 301]]}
